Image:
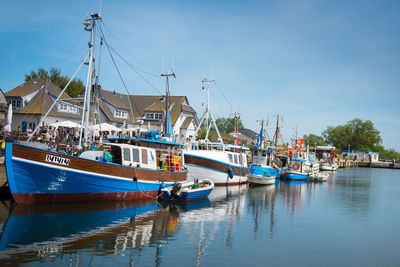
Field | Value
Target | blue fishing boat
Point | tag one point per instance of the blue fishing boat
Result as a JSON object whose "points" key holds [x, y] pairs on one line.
{"points": [[119, 169], [261, 170], [188, 191], [265, 166], [302, 167]]}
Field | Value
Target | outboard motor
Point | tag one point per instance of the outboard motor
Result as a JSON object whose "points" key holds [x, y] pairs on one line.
{"points": [[175, 190]]}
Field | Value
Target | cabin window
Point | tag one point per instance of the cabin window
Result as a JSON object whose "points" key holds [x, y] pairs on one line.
{"points": [[230, 158], [127, 154], [255, 152], [236, 159], [116, 151], [135, 154], [240, 158], [144, 156], [264, 153]]}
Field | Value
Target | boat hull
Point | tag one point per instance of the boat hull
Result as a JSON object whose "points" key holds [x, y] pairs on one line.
{"points": [[219, 178], [328, 168], [219, 172], [189, 191], [187, 197], [37, 176], [294, 176], [255, 179]]}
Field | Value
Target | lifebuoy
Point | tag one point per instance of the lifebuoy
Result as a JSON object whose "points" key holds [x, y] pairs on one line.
{"points": [[295, 166]]}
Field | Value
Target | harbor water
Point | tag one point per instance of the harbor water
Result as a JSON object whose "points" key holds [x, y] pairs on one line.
{"points": [[353, 219]]}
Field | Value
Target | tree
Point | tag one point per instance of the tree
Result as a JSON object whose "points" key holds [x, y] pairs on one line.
{"points": [[358, 134], [227, 125], [314, 140], [75, 88]]}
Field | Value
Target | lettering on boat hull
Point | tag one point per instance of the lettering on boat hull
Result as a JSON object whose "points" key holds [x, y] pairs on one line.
{"points": [[56, 159]]}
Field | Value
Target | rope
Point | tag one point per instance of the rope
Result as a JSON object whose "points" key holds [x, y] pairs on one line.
{"points": [[119, 74]]}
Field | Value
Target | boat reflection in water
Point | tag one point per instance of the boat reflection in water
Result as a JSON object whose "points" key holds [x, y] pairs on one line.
{"points": [[51, 229], [293, 192]]}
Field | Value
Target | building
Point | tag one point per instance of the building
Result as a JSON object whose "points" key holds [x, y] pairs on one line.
{"points": [[361, 155], [139, 113], [3, 110], [246, 135], [32, 100]]}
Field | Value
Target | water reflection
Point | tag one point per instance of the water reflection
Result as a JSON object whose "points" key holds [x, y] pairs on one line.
{"points": [[354, 189], [48, 230], [293, 194], [233, 219], [261, 201]]}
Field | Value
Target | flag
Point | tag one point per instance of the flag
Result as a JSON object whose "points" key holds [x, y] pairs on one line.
{"points": [[258, 144], [236, 140], [170, 130], [277, 134]]}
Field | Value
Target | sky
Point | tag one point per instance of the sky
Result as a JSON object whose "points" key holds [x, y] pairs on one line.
{"points": [[315, 63]]}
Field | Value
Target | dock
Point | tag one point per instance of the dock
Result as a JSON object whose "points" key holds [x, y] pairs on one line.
{"points": [[366, 164]]}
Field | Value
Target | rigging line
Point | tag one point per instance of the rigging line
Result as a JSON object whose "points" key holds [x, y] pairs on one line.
{"points": [[222, 92], [72, 49], [130, 65], [141, 76], [120, 76], [141, 62]]}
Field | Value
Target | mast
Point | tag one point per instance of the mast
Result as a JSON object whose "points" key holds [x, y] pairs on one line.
{"points": [[277, 129], [89, 26], [167, 103]]}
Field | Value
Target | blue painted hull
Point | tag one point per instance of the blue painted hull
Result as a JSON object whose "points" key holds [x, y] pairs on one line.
{"points": [[261, 170], [192, 195], [34, 181], [297, 176]]}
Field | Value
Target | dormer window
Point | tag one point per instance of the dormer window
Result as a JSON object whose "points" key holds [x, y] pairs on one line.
{"points": [[121, 114], [154, 116], [16, 103], [64, 107]]}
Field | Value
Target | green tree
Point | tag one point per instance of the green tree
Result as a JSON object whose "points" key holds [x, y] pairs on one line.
{"points": [[358, 134], [314, 140], [75, 88], [227, 125]]}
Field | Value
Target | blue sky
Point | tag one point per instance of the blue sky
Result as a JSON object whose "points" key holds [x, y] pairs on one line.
{"points": [[316, 63]]}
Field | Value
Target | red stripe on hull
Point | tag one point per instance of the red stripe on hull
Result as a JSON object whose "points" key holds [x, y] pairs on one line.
{"points": [[27, 198]]}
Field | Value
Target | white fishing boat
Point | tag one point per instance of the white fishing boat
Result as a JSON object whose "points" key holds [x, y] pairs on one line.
{"points": [[321, 177], [223, 164], [328, 166]]}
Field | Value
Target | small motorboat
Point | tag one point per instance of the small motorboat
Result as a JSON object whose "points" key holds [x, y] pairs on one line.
{"points": [[188, 191], [320, 177]]}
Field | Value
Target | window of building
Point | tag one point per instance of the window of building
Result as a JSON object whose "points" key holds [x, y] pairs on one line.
{"points": [[121, 113], [63, 107], [16, 103]]}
